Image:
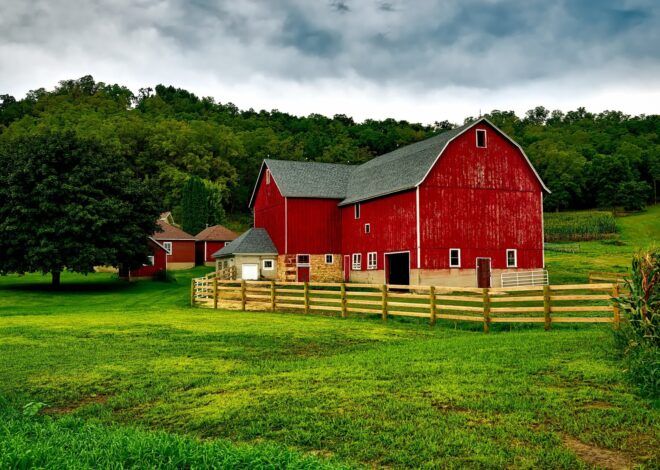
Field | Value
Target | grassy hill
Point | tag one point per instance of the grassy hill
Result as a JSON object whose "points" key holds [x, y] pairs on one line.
{"points": [[132, 376], [635, 232]]}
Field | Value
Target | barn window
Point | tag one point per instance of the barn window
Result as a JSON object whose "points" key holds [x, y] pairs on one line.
{"points": [[329, 259], [481, 138], [168, 247], [150, 261], [267, 176], [268, 264], [227, 243], [357, 261], [367, 228], [372, 260], [357, 210], [511, 258], [454, 258], [303, 260]]}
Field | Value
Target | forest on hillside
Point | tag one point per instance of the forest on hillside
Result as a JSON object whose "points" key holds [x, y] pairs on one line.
{"points": [[178, 143]]}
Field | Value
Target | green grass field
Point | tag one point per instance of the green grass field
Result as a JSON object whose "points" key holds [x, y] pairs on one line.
{"points": [[131, 376], [635, 231]]}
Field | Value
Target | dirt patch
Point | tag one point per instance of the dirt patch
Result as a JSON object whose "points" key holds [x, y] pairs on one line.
{"points": [[60, 410], [444, 406], [602, 458], [598, 405]]}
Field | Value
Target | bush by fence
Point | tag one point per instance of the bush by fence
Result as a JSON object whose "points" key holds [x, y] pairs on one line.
{"points": [[578, 303]]}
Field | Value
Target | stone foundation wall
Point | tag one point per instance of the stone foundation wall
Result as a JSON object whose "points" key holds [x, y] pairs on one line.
{"points": [[436, 277], [176, 266], [319, 270]]}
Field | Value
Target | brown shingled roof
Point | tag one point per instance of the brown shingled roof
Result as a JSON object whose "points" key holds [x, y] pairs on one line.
{"points": [[216, 233], [170, 232]]}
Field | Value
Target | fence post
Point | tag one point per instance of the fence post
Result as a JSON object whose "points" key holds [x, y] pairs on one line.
{"points": [[243, 295], [342, 293], [215, 292], [384, 304], [433, 310], [306, 296], [486, 310], [615, 307], [192, 292], [272, 296], [546, 307]]}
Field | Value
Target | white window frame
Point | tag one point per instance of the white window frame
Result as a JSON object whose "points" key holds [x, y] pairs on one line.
{"points": [[476, 139], [459, 258], [356, 262], [227, 243], [356, 210], [151, 260], [168, 247], [367, 228], [372, 260], [267, 176], [298, 263], [266, 268], [515, 258], [331, 258]]}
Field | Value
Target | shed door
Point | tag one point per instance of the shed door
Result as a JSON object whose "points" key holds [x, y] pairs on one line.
{"points": [[303, 273], [250, 272], [483, 272]]}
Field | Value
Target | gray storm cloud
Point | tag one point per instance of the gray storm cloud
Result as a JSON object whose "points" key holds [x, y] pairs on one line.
{"points": [[430, 45]]}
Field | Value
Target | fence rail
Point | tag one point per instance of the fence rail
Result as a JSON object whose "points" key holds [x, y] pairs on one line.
{"points": [[597, 277], [575, 303]]}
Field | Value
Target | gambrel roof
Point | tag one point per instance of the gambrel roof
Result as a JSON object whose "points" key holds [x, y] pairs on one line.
{"points": [[254, 241], [402, 169]]}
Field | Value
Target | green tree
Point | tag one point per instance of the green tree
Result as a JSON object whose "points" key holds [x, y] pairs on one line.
{"points": [[70, 202], [194, 205]]}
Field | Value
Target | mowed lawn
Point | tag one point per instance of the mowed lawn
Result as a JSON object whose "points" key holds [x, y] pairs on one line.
{"points": [[132, 376]]}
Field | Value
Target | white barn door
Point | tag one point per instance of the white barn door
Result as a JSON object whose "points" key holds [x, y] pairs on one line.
{"points": [[250, 272]]}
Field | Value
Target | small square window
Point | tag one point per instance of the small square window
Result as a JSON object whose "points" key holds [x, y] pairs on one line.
{"points": [[367, 228], [150, 261], [303, 260], [227, 243], [454, 258], [481, 138], [268, 264], [168, 247], [511, 258], [372, 260], [357, 210], [329, 259], [357, 261]]}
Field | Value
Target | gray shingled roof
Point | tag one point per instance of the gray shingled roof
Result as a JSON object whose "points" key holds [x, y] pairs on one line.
{"points": [[254, 241], [399, 170], [310, 179]]}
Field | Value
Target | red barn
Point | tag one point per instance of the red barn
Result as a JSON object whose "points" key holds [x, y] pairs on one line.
{"points": [[459, 208], [157, 262], [180, 246], [209, 241]]}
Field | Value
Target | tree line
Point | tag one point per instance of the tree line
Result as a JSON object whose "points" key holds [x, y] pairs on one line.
{"points": [[167, 136]]}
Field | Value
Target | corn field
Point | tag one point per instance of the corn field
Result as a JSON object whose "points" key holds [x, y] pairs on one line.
{"points": [[575, 226]]}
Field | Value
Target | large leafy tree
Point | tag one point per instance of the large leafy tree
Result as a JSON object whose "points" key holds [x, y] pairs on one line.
{"points": [[70, 202]]}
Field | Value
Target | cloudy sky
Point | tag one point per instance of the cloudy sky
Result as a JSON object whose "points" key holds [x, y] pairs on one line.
{"points": [[422, 60]]}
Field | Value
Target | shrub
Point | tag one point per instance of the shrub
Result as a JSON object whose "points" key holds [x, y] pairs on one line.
{"points": [[639, 336], [574, 226]]}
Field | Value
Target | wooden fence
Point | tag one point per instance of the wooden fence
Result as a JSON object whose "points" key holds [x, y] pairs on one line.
{"points": [[576, 303], [599, 277]]}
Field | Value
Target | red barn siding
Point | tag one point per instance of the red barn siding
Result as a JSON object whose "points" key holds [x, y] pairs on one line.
{"points": [[269, 212], [160, 263], [314, 226], [483, 201], [392, 219], [212, 247], [183, 251]]}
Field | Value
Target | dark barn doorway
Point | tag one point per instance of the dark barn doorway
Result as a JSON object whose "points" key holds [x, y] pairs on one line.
{"points": [[398, 268]]}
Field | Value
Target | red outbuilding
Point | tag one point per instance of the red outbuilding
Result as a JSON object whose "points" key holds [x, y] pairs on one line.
{"points": [[209, 241], [461, 208], [157, 262], [180, 246]]}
